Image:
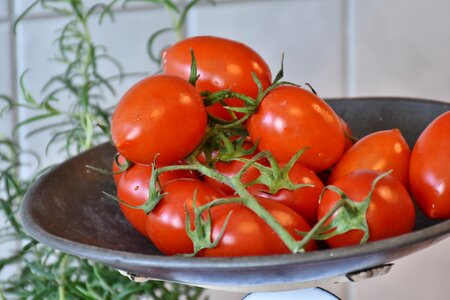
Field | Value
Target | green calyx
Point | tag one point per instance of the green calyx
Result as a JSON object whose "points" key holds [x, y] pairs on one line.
{"points": [[154, 195], [201, 233], [348, 215], [224, 145], [193, 76], [275, 177]]}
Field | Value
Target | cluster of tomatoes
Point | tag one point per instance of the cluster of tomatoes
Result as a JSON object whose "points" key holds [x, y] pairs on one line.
{"points": [[217, 159]]}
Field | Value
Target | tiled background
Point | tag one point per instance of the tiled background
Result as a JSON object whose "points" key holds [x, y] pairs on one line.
{"points": [[341, 47]]}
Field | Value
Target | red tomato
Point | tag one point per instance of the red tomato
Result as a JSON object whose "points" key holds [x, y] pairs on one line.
{"points": [[161, 115], [303, 201], [247, 234], [222, 64], [390, 212], [290, 118], [132, 188], [429, 174], [380, 151], [166, 222]]}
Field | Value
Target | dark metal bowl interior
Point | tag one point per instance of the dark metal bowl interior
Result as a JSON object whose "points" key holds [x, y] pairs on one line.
{"points": [[66, 209]]}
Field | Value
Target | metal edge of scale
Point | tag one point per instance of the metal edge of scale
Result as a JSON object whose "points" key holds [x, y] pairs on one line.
{"points": [[349, 277]]}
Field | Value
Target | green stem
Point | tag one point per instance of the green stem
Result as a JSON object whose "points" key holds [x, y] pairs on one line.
{"points": [[62, 279], [197, 166], [220, 201], [274, 165]]}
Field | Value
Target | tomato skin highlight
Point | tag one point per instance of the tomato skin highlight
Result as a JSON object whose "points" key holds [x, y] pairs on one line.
{"points": [[391, 211], [290, 118], [133, 189], [429, 173], [304, 201], [248, 235], [166, 222], [146, 121], [222, 64], [379, 151]]}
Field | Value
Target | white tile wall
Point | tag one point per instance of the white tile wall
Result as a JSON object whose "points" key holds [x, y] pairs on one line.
{"points": [[126, 39], [341, 47], [314, 51], [21, 5], [402, 48], [3, 9]]}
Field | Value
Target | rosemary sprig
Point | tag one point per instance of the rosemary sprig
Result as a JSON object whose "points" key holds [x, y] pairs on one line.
{"points": [[80, 84]]}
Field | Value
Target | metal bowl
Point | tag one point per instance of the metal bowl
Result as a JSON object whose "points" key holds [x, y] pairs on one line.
{"points": [[66, 209]]}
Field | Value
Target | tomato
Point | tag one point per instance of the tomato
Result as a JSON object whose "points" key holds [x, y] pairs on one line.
{"points": [[222, 64], [429, 174], [290, 118], [133, 189], [303, 201], [162, 115], [247, 234], [390, 212], [380, 151], [166, 222]]}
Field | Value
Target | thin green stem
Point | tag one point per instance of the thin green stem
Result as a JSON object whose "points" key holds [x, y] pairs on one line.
{"points": [[62, 279], [199, 168]]}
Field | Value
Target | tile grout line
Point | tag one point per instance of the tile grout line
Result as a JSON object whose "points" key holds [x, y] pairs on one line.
{"points": [[349, 48], [13, 86], [13, 60]]}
